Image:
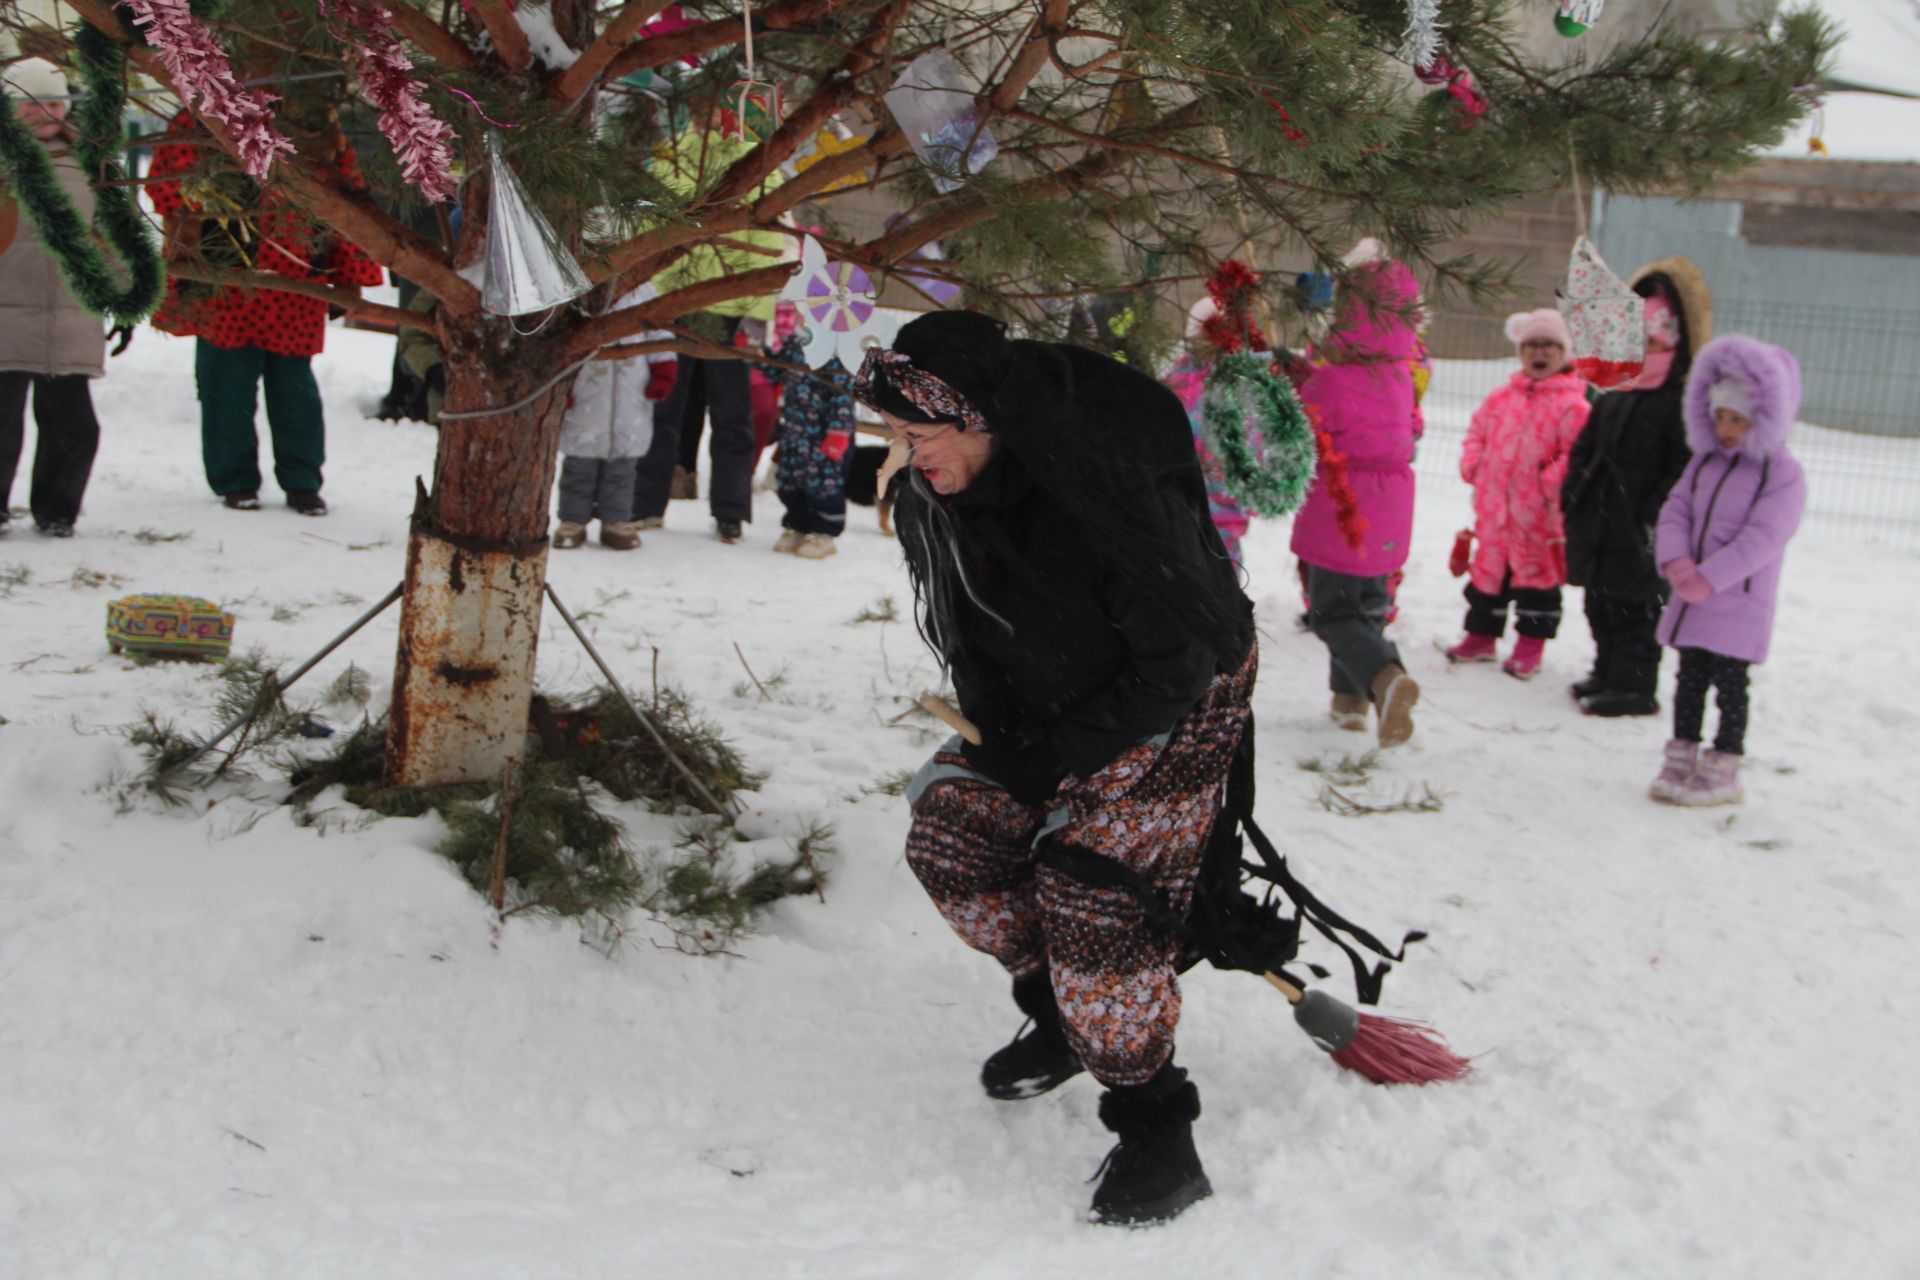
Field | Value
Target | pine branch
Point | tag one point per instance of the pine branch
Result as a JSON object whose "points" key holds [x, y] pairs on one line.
{"points": [[510, 43], [574, 82], [721, 33], [333, 295], [432, 39]]}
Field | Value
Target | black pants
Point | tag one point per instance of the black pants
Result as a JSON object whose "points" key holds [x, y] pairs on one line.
{"points": [[1626, 654], [1536, 611], [730, 405], [1349, 615], [1728, 677], [63, 453]]}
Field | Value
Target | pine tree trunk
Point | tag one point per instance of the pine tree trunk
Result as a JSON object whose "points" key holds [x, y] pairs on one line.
{"points": [[476, 563]]}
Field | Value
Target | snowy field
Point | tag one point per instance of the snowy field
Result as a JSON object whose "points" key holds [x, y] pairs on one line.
{"points": [[236, 1048]]}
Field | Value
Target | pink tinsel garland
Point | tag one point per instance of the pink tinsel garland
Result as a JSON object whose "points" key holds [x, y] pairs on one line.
{"points": [[420, 139], [204, 78]]}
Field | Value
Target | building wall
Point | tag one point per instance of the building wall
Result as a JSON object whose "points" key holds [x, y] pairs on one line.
{"points": [[1852, 318]]}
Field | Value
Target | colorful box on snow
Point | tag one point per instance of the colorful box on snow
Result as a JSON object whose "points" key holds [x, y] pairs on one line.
{"points": [[158, 626]]}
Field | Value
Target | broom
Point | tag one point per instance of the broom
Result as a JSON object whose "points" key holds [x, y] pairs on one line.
{"points": [[1384, 1050]]}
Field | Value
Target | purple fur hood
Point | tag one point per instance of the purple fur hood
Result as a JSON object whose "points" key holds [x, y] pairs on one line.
{"points": [[1774, 377]]}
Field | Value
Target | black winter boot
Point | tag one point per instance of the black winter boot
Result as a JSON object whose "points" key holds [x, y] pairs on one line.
{"points": [[1154, 1172], [1039, 1058]]}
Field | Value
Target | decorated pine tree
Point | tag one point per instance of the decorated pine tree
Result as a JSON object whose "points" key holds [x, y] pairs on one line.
{"points": [[1021, 154]]}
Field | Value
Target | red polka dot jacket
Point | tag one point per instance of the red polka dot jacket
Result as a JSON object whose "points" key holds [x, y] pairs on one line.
{"points": [[288, 244]]}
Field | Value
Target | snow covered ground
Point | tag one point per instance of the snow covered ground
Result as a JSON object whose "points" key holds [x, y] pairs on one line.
{"points": [[234, 1047]]}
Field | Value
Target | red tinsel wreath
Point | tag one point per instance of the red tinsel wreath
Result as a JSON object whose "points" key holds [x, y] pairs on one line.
{"points": [[1333, 472]]}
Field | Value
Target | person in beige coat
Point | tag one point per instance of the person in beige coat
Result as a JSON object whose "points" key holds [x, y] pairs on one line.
{"points": [[49, 344]]}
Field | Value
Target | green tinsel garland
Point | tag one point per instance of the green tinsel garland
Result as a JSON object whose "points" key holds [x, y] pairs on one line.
{"points": [[1242, 387], [97, 121]]}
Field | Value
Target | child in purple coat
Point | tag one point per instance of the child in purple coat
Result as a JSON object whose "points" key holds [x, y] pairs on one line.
{"points": [[1721, 541]]}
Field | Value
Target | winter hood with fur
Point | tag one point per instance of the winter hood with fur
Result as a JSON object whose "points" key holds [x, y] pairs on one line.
{"points": [[1772, 379]]}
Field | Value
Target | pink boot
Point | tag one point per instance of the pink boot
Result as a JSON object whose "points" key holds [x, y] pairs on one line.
{"points": [[1525, 662], [1682, 758], [1472, 648], [1716, 781]]}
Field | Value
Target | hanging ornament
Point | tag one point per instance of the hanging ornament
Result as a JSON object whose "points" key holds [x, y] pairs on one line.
{"points": [[758, 102], [838, 304], [527, 268], [1337, 481], [1421, 44], [1607, 320], [1816, 131], [420, 139], [935, 109], [204, 79], [1234, 288], [826, 145], [1469, 104], [1257, 428], [1576, 16]]}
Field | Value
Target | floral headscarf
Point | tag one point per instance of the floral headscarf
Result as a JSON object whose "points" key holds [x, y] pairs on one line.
{"points": [[924, 391]]}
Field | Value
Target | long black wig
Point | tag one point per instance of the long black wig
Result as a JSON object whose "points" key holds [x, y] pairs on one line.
{"points": [[1106, 442]]}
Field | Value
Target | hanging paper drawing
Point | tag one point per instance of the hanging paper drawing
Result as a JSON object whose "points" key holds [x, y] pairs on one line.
{"points": [[934, 107], [837, 303], [1607, 320]]}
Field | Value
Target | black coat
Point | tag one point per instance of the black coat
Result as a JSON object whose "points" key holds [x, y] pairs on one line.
{"points": [[1631, 451], [1094, 662]]}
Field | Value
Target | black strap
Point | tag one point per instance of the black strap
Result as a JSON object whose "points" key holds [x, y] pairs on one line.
{"points": [[1227, 926]]}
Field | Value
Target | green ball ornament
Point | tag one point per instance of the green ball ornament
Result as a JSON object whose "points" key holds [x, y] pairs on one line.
{"points": [[1568, 27]]}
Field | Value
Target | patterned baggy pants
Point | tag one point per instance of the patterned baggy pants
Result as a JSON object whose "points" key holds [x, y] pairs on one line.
{"points": [[976, 850]]}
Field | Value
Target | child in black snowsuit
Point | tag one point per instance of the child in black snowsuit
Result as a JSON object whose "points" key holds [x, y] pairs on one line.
{"points": [[816, 445], [1633, 448]]}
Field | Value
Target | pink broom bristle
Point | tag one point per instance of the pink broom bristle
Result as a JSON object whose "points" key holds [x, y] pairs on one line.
{"points": [[1401, 1051]]}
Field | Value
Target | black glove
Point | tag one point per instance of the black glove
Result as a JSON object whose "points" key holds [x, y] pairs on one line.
{"points": [[124, 332]]}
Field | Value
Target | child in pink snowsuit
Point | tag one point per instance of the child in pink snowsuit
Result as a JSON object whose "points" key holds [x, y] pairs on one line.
{"points": [[1516, 459], [1721, 540]]}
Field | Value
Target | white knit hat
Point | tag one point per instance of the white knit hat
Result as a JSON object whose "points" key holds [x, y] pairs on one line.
{"points": [[36, 78], [1732, 393]]}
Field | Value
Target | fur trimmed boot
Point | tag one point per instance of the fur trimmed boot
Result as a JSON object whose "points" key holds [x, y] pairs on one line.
{"points": [[1394, 693], [1038, 1058], [1473, 647], [1524, 664], [567, 535], [1715, 781], [1349, 711], [1681, 759], [1153, 1172]]}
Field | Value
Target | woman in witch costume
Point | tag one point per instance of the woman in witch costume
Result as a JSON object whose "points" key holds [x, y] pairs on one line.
{"points": [[1067, 574]]}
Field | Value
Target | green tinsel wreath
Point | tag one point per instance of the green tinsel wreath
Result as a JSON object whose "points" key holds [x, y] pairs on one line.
{"points": [[29, 167], [1242, 387]]}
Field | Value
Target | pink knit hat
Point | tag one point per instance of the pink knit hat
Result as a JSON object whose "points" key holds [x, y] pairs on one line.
{"points": [[1544, 325]]}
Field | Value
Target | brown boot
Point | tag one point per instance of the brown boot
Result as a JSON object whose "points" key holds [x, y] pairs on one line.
{"points": [[567, 535], [1394, 693], [686, 484], [1349, 711], [621, 535]]}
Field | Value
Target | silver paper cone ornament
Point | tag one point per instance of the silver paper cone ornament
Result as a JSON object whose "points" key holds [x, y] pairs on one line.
{"points": [[528, 269]]}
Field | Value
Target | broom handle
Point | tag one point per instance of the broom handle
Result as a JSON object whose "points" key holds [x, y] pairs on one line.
{"points": [[946, 711], [1293, 994]]}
